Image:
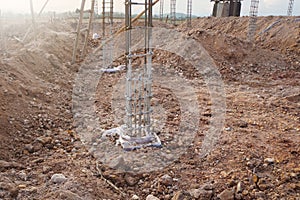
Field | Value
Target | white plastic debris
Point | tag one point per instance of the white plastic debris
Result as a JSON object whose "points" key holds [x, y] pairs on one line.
{"points": [[115, 69], [130, 143], [96, 36]]}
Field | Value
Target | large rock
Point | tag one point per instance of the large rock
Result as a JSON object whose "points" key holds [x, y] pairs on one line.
{"points": [[166, 180], [227, 194], [58, 178], [201, 194], [151, 197], [6, 165], [182, 195]]}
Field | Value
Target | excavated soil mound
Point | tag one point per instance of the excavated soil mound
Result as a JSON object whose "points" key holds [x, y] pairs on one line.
{"points": [[258, 152]]}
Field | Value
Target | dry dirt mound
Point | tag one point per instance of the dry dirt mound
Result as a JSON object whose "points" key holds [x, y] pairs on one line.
{"points": [[273, 32], [276, 47], [31, 73]]}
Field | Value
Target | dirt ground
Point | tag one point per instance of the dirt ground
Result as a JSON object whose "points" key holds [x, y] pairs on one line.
{"points": [[256, 157]]}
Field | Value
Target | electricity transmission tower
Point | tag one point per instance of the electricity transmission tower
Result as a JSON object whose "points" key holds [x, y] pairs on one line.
{"points": [[290, 8], [252, 19], [189, 13], [173, 11], [161, 10]]}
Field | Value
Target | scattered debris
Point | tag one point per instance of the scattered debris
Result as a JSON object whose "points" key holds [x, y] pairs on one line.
{"points": [[114, 70]]}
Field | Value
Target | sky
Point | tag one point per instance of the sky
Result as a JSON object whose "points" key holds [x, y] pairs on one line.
{"points": [[200, 7]]}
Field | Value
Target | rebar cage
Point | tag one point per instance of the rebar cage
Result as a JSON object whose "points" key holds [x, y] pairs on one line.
{"points": [[138, 127]]}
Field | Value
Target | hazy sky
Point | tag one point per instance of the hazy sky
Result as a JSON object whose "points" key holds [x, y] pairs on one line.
{"points": [[200, 7]]}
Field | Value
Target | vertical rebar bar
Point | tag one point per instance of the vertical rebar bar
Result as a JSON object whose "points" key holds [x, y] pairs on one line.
{"points": [[138, 83], [103, 17], [252, 19], [189, 13], [128, 93], [290, 8], [148, 75]]}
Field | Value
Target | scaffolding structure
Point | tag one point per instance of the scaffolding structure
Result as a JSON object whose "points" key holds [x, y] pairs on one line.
{"points": [[290, 8], [138, 130], [252, 19], [189, 13], [173, 12], [107, 15], [161, 10]]}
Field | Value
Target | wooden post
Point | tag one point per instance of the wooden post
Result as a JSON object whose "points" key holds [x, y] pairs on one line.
{"points": [[33, 19], [134, 19], [28, 30], [78, 31], [89, 29]]}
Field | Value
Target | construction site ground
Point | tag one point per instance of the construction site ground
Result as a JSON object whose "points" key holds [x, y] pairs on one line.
{"points": [[256, 157]]}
